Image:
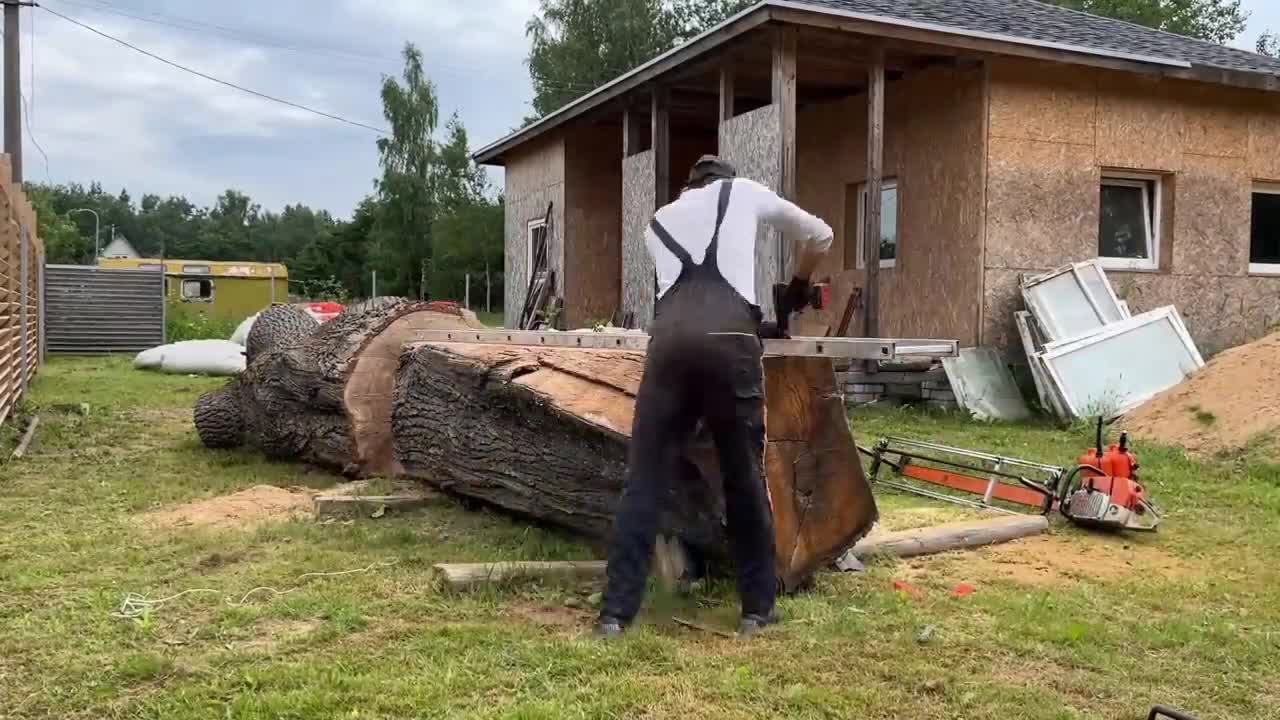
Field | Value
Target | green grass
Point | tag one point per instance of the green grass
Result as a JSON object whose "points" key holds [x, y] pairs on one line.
{"points": [[1202, 416], [1187, 617]]}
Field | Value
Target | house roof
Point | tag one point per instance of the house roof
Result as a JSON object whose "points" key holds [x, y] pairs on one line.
{"points": [[1035, 20], [1002, 26]]}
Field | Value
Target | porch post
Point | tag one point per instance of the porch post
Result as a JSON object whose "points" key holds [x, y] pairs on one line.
{"points": [[661, 129], [875, 174], [631, 140], [727, 105], [784, 96]]}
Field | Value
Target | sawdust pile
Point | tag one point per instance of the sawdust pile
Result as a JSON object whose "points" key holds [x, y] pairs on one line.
{"points": [[247, 508], [1232, 400]]}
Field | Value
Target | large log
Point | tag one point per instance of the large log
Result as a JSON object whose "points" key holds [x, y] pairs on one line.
{"points": [[324, 397], [543, 433]]}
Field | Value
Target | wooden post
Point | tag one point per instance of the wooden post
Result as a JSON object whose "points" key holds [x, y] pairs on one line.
{"points": [[875, 175], [784, 96], [727, 91], [661, 129], [631, 138]]}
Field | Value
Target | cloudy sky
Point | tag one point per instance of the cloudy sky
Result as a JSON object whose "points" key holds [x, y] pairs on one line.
{"points": [[104, 112]]}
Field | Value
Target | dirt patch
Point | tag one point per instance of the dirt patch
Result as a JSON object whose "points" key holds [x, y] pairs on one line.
{"points": [[247, 508], [556, 617], [272, 634], [1055, 559], [1232, 400]]}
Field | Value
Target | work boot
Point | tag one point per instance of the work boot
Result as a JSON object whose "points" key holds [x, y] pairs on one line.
{"points": [[608, 627], [752, 623]]}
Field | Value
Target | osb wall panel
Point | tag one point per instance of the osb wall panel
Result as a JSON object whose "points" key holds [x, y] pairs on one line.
{"points": [[638, 183], [933, 147], [1042, 203], [1210, 142], [1212, 219], [751, 141], [593, 226], [534, 178], [1220, 312]]}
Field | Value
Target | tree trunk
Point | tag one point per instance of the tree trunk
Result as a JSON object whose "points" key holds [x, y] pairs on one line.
{"points": [[325, 398], [543, 433]]}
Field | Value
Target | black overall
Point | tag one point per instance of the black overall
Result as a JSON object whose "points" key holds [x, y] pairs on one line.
{"points": [[703, 362]]}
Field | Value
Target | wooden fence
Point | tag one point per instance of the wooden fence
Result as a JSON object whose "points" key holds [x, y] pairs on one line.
{"points": [[21, 276]]}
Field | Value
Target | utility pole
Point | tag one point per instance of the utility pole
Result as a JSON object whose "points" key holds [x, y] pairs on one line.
{"points": [[13, 86], [97, 247]]}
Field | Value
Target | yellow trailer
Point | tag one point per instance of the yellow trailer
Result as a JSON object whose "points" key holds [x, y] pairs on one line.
{"points": [[223, 289]]}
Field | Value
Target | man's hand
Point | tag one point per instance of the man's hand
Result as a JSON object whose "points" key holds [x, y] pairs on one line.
{"points": [[769, 331], [797, 295]]}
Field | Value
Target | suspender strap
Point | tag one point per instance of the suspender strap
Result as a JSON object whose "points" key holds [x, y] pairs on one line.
{"points": [[722, 207], [686, 260]]}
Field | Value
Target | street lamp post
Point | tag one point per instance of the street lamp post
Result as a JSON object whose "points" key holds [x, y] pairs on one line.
{"points": [[96, 224]]}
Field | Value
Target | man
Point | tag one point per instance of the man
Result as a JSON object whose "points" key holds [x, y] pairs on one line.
{"points": [[704, 362]]}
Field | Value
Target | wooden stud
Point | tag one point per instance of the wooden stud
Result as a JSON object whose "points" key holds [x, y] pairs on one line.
{"points": [[632, 141], [727, 92], [875, 176], [660, 120], [784, 96]]}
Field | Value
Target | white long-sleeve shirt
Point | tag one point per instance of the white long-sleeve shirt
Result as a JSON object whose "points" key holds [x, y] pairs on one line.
{"points": [[691, 220]]}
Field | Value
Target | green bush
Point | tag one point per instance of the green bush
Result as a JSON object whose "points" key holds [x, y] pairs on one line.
{"points": [[182, 326]]}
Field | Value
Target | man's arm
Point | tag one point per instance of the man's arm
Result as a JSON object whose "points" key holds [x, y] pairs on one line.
{"points": [[808, 233]]}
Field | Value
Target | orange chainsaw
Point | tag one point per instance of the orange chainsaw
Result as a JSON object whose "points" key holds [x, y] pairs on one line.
{"points": [[1103, 490]]}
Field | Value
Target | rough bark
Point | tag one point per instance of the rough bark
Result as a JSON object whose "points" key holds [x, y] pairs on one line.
{"points": [[544, 432], [325, 397], [277, 326], [218, 419]]}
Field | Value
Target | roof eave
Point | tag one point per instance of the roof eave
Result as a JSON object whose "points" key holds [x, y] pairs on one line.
{"points": [[895, 28]]}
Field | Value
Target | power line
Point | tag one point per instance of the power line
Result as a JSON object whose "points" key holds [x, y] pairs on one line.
{"points": [[211, 78], [192, 25], [32, 136]]}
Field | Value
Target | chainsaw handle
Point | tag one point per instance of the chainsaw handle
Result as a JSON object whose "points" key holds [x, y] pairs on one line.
{"points": [[1162, 711]]}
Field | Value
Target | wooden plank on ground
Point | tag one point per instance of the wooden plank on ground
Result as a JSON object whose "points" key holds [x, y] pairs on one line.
{"points": [[951, 536], [460, 576], [346, 505]]}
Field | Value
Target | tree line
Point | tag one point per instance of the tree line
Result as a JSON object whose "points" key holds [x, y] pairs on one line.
{"points": [[431, 220]]}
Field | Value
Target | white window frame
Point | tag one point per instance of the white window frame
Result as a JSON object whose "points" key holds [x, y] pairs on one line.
{"points": [[182, 289], [528, 243], [885, 184], [1118, 178], [1262, 188]]}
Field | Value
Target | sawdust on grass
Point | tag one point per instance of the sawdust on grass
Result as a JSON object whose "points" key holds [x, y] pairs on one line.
{"points": [[247, 508], [1048, 560], [1234, 399]]}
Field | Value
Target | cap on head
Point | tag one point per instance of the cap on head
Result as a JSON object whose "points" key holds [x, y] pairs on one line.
{"points": [[708, 169]]}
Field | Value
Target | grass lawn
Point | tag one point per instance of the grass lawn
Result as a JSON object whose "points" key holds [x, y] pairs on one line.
{"points": [[1065, 626]]}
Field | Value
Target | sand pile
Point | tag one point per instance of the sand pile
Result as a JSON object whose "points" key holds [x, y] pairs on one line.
{"points": [[1234, 399], [246, 508]]}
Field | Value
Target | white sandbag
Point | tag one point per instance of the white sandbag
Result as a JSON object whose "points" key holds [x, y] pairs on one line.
{"points": [[194, 357], [241, 335]]}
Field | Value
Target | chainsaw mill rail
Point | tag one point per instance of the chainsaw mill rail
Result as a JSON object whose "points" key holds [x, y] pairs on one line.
{"points": [[834, 347]]}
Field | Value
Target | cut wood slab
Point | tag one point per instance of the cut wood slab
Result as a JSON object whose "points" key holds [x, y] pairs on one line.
{"points": [[460, 576], [543, 433], [948, 537]]}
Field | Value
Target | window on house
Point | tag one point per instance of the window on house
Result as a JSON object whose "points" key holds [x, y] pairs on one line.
{"points": [[194, 290], [1264, 232], [1129, 221], [888, 224], [537, 244]]}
